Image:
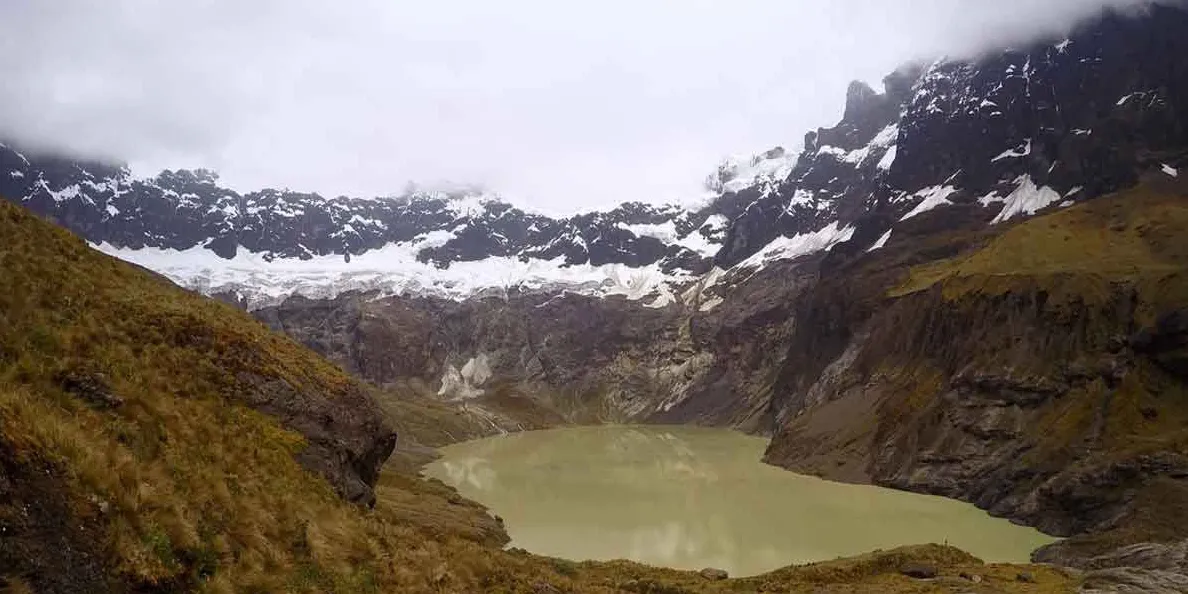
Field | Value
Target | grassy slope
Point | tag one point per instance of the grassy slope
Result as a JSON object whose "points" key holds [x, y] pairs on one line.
{"points": [[178, 487], [186, 484], [1135, 235], [1130, 243]]}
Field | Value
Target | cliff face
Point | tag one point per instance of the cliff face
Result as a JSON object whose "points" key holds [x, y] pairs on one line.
{"points": [[533, 359], [1038, 373]]}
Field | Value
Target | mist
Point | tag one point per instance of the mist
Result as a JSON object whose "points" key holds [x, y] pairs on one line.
{"points": [[559, 108]]}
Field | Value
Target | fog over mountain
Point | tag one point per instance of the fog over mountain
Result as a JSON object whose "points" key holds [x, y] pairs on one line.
{"points": [[559, 108]]}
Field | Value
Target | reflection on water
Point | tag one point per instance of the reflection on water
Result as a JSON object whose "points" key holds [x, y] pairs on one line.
{"points": [[692, 497]]}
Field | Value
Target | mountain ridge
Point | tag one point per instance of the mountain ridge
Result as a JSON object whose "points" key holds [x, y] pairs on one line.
{"points": [[1014, 132]]}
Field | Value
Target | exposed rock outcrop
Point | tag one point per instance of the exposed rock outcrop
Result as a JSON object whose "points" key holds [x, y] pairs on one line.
{"points": [[1005, 378], [348, 441], [581, 358]]}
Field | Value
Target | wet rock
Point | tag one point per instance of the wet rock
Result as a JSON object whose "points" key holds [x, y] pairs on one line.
{"points": [[713, 574], [1026, 577], [919, 571]]}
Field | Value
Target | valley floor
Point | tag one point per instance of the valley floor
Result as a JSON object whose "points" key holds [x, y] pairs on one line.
{"points": [[422, 502]]}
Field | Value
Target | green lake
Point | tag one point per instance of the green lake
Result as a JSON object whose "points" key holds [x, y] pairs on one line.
{"points": [[690, 497]]}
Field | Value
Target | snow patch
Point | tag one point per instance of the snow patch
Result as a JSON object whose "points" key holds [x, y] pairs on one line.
{"points": [[933, 197], [16, 173], [465, 383], [737, 173], [1027, 199], [801, 197], [883, 140], [667, 233], [710, 304], [1123, 100], [1063, 45], [1168, 169], [395, 270], [1020, 151], [881, 242], [62, 195], [468, 205], [112, 211], [991, 198], [788, 248], [888, 158]]}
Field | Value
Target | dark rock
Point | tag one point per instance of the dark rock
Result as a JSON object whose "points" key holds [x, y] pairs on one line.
{"points": [[918, 571], [713, 574], [348, 441], [91, 388], [1025, 577], [43, 539], [1167, 342]]}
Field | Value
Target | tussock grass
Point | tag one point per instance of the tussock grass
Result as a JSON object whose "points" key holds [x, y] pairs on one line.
{"points": [[194, 488], [1131, 235]]}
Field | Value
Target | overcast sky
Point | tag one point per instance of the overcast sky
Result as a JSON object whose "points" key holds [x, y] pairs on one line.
{"points": [[557, 105]]}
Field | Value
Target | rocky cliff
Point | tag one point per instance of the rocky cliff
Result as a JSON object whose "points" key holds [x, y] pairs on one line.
{"points": [[1035, 373], [568, 357]]}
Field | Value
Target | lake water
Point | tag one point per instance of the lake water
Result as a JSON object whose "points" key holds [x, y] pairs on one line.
{"points": [[689, 498]]}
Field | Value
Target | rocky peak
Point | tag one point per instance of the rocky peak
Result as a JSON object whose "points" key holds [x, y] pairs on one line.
{"points": [[866, 109]]}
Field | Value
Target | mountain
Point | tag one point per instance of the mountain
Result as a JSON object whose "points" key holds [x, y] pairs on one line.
{"points": [[989, 308], [154, 440], [972, 285], [1005, 135]]}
